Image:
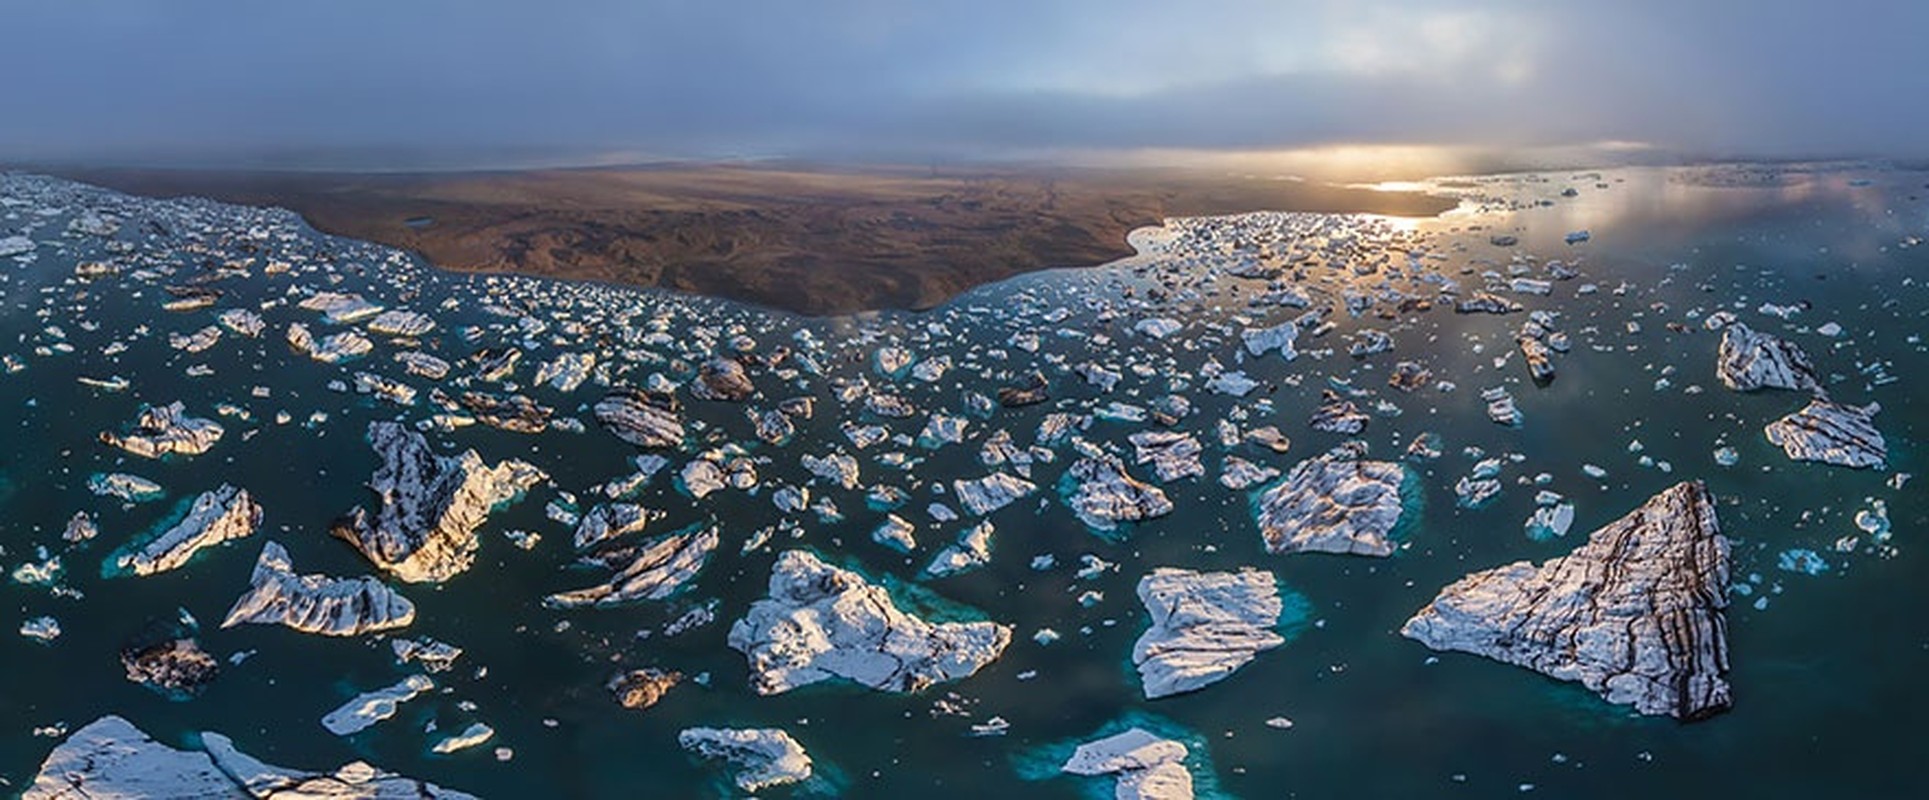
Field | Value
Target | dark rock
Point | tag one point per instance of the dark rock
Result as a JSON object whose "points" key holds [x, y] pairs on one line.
{"points": [[641, 688], [166, 658]]}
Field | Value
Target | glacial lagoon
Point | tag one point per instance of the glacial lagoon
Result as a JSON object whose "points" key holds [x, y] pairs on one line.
{"points": [[1631, 278]]}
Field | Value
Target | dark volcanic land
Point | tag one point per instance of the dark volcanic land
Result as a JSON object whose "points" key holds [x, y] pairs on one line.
{"points": [[812, 240]]}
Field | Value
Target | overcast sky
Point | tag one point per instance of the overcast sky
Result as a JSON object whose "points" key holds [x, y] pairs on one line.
{"points": [[244, 80]]}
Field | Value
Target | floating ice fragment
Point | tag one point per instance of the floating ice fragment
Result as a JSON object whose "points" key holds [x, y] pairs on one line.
{"points": [[1801, 560], [1205, 626], [41, 629], [317, 603], [369, 708], [761, 758], [217, 516], [821, 622], [475, 734]]}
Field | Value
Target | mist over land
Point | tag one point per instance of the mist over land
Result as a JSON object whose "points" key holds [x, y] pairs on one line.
{"points": [[449, 85]]}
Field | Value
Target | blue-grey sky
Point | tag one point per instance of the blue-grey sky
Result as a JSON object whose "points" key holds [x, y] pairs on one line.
{"points": [[261, 80]]}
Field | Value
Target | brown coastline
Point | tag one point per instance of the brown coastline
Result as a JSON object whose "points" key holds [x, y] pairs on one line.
{"points": [[809, 239]]}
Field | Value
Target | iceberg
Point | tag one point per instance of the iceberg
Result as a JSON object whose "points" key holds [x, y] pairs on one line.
{"points": [[821, 622], [317, 603]]}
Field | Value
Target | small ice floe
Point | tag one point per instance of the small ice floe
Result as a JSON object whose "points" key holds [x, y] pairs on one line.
{"points": [[1480, 485], [242, 322], [1158, 327], [1486, 303], [1749, 360], [642, 688], [1368, 342], [891, 362], [168, 660], [475, 734], [1333, 503], [1531, 286], [895, 533], [196, 342], [1500, 406], [971, 551], [167, 430], [1550, 520], [423, 365], [1803, 560], [434, 656], [606, 521], [759, 758], [942, 429], [654, 570], [1281, 338], [1237, 473], [1205, 626], [41, 629], [1103, 496], [316, 603], [80, 528], [1173, 455], [42, 572], [1336, 414], [1874, 520], [1831, 433], [131, 488], [214, 517], [821, 622], [401, 324], [332, 349], [340, 308], [366, 709], [1147, 765]]}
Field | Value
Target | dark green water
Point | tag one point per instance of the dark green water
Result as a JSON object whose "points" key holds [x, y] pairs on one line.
{"points": [[1826, 675]]}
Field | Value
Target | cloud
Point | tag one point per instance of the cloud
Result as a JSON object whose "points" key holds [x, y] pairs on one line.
{"points": [[210, 80]]}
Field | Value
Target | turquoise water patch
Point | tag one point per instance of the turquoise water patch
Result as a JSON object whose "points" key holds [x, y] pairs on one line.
{"points": [[910, 597], [1044, 762], [825, 780], [1413, 502], [110, 566], [1295, 612]]}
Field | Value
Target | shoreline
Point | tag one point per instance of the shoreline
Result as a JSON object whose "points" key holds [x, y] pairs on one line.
{"points": [[813, 242]]}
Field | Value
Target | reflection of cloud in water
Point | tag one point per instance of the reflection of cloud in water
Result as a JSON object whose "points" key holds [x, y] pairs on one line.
{"points": [[1671, 208]]}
